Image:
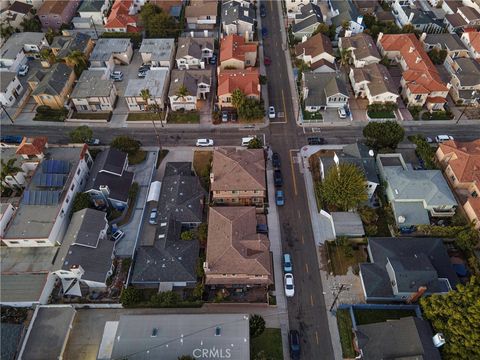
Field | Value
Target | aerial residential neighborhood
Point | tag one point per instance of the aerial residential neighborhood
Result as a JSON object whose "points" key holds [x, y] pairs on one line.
{"points": [[240, 179]]}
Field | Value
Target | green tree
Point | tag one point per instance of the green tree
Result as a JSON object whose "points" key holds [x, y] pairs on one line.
{"points": [[343, 187], [322, 29], [238, 98], [202, 233], [9, 168], [251, 110], [130, 296], [126, 144], [47, 55], [456, 314], [81, 134], [50, 34], [187, 235], [182, 92], [257, 325], [33, 24], [255, 143], [381, 135], [437, 56], [345, 56], [77, 60], [81, 201], [468, 238], [6, 31], [156, 22]]}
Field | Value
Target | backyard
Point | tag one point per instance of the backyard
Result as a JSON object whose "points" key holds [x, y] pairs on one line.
{"points": [[343, 255], [202, 164], [269, 344]]}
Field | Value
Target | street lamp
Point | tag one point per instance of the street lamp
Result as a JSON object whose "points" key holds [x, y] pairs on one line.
{"points": [[474, 92]]}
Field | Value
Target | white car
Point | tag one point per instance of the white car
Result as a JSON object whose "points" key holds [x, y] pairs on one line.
{"points": [[289, 287], [116, 76], [23, 70], [271, 112], [204, 142], [117, 235], [441, 138], [342, 114]]}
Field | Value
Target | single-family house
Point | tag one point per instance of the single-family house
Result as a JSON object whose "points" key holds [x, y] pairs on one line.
{"points": [[323, 90], [193, 53], [201, 16], [307, 21], [451, 6], [317, 53], [367, 6], [156, 82], [238, 177], [93, 92], [163, 260], [471, 39], [405, 269], [10, 88], [62, 46], [109, 180], [465, 18], [345, 12], [294, 7], [239, 18], [96, 10], [236, 53], [86, 253], [16, 13], [420, 19], [472, 3], [359, 155], [451, 43], [54, 14], [247, 81], [465, 80], [237, 255], [6, 213], [18, 46], [461, 164], [123, 17], [361, 50], [52, 87], [409, 337], [374, 82], [108, 52], [415, 195], [42, 215], [197, 83], [421, 83], [158, 52]]}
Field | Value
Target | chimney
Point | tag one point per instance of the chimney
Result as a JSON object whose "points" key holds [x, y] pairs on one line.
{"points": [[417, 295], [411, 49], [77, 270], [247, 39], [438, 340], [205, 33], [304, 38], [360, 19], [212, 178], [192, 33], [418, 59], [380, 35], [423, 36], [105, 190], [205, 267], [410, 17]]}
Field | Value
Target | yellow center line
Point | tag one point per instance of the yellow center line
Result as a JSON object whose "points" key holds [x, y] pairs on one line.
{"points": [[293, 173], [311, 300], [306, 268], [316, 337], [303, 240]]}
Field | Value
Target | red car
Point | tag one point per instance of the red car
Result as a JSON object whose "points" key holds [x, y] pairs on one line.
{"points": [[267, 61]]}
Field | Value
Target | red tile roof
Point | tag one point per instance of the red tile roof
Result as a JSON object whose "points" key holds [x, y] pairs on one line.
{"points": [[245, 80], [466, 164], [32, 146], [120, 17], [475, 204], [234, 47], [474, 38]]}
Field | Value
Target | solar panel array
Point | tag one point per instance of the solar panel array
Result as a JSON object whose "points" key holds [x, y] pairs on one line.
{"points": [[40, 197], [55, 167], [49, 180]]}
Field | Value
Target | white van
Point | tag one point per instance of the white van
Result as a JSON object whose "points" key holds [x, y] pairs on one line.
{"points": [[246, 140], [441, 138]]}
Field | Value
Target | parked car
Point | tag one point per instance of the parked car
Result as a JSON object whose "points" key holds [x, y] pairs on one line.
{"points": [[263, 10], [224, 116], [267, 61], [428, 139], [117, 235], [23, 70], [408, 229], [204, 142], [143, 73], [279, 198], [11, 139], [277, 178], [342, 114], [316, 140], [276, 160], [246, 140], [144, 67], [289, 286], [213, 59], [153, 217], [271, 112], [441, 138], [116, 76], [93, 141], [294, 341], [287, 263], [233, 116], [264, 32], [262, 228]]}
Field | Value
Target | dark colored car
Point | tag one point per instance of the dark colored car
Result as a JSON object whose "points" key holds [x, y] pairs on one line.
{"points": [[277, 178], [263, 10], [267, 61], [294, 341], [262, 228], [276, 160], [408, 229], [213, 59], [11, 139], [316, 141], [264, 32]]}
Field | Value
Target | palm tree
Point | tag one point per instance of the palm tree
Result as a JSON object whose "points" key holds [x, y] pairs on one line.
{"points": [[10, 169], [145, 95], [182, 92], [345, 56], [48, 55], [77, 60]]}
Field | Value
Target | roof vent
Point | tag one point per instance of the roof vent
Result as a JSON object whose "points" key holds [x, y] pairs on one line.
{"points": [[438, 340], [154, 332], [218, 331]]}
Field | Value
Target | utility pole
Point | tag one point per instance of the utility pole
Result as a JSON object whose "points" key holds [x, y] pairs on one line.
{"points": [[336, 297], [6, 112]]}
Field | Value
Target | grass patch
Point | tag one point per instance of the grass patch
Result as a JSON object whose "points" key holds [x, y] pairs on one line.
{"points": [[381, 114], [307, 115], [160, 157], [344, 323], [364, 316], [424, 151], [132, 200], [183, 117], [202, 161], [137, 158], [415, 111], [93, 116], [51, 115], [270, 343], [437, 115], [341, 259], [145, 116]]}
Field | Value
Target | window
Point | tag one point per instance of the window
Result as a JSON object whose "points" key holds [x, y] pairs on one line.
{"points": [[474, 194], [453, 178], [13, 242], [208, 17], [72, 187], [78, 172], [19, 87], [41, 241], [418, 97]]}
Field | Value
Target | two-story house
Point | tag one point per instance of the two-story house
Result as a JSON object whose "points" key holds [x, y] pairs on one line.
{"points": [[307, 21], [236, 53], [93, 92], [421, 20], [465, 18], [108, 52], [201, 15], [95, 10], [465, 80], [294, 7], [238, 177], [193, 53], [123, 17], [238, 17], [18, 46], [158, 52], [16, 13], [156, 82], [247, 81], [62, 46], [317, 53], [345, 13], [451, 43], [471, 39], [197, 84], [361, 50], [323, 90], [11, 88], [54, 14]]}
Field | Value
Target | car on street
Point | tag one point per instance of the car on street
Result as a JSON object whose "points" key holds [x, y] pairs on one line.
{"points": [[93, 141], [117, 235], [342, 114], [224, 116], [246, 140], [289, 286], [316, 140], [143, 73], [263, 10], [276, 160], [271, 112], [262, 228], [23, 70], [204, 142], [279, 198], [294, 342], [287, 263], [153, 217], [213, 59], [116, 76], [144, 67], [441, 138], [11, 139], [277, 178], [264, 32], [267, 61], [428, 139]]}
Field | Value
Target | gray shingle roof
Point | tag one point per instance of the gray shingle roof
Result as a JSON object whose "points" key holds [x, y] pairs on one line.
{"points": [[347, 11], [91, 5], [10, 339], [104, 48], [310, 14], [362, 46], [54, 80], [322, 85], [160, 49], [468, 72], [233, 11], [378, 77], [190, 79], [16, 42], [91, 84], [193, 47], [6, 78], [154, 82], [66, 44], [451, 42]]}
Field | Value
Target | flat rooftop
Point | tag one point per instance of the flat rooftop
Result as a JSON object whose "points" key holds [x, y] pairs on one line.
{"points": [[154, 82], [161, 49], [104, 48], [22, 287], [16, 260]]}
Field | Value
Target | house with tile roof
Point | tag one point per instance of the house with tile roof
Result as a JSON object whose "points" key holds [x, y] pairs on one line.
{"points": [[236, 53], [54, 14], [471, 39], [238, 177], [200, 15], [317, 53], [324, 90], [421, 83], [247, 81], [465, 80], [461, 164], [198, 84], [32, 148], [373, 82], [238, 17], [236, 254], [122, 17], [193, 53], [362, 49]]}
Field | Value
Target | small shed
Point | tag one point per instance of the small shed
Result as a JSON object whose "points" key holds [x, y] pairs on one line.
{"points": [[348, 224]]}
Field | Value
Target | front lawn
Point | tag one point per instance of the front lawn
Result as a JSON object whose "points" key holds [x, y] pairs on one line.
{"points": [[92, 116], [202, 160], [365, 316], [269, 344], [344, 323], [183, 117], [45, 113], [381, 111], [145, 116], [344, 256], [381, 114], [137, 158], [307, 115], [437, 115]]}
